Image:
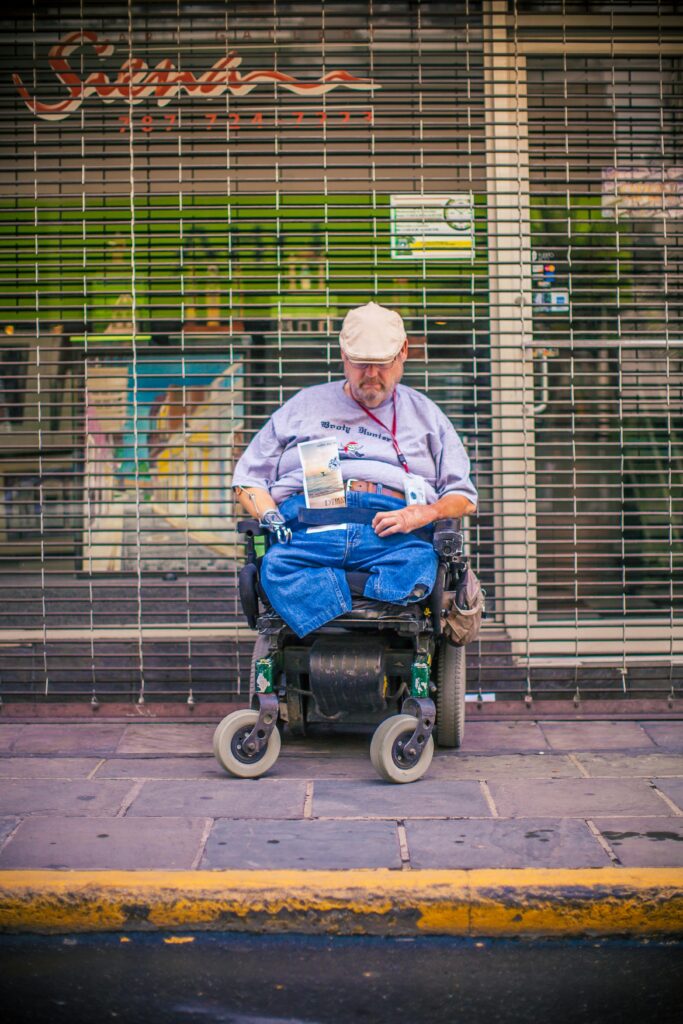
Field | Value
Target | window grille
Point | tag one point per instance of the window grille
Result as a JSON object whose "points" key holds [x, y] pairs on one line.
{"points": [[176, 262]]}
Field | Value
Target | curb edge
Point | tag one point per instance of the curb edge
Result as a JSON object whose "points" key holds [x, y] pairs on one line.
{"points": [[516, 902]]}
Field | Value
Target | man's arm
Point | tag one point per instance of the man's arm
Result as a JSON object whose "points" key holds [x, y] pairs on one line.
{"points": [[412, 517], [254, 500], [257, 501], [259, 463]]}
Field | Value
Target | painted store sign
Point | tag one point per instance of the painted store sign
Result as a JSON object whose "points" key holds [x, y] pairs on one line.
{"points": [[136, 82]]}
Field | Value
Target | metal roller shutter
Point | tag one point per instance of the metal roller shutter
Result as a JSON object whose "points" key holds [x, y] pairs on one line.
{"points": [[177, 256]]}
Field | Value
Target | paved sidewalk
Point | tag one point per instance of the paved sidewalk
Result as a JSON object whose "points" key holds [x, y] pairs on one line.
{"points": [[149, 796], [518, 794]]}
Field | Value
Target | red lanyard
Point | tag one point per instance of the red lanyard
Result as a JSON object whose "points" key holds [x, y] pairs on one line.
{"points": [[401, 457]]}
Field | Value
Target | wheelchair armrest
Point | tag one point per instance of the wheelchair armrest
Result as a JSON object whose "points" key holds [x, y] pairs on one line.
{"points": [[251, 527], [448, 540], [248, 591]]}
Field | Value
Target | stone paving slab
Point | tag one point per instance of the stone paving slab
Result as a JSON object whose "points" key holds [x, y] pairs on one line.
{"points": [[644, 842], [183, 767], [104, 843], [166, 738], [330, 767], [46, 796], [431, 798], [64, 738], [571, 798], [499, 737], [454, 765], [29, 767], [665, 734], [504, 843], [340, 746], [641, 765], [673, 789], [334, 845], [596, 736], [225, 798], [9, 734], [6, 826], [446, 765]]}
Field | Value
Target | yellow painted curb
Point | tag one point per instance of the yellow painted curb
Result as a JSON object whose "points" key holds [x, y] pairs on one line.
{"points": [[600, 901]]}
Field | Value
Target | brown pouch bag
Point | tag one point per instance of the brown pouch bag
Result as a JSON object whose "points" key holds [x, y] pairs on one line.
{"points": [[464, 609]]}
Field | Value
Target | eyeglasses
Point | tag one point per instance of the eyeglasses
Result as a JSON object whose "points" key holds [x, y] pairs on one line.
{"points": [[366, 366]]}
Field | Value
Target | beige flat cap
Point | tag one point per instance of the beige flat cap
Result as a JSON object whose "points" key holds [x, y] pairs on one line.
{"points": [[372, 334]]}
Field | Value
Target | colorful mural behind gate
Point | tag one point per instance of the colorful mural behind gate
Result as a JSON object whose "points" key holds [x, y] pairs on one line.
{"points": [[160, 447]]}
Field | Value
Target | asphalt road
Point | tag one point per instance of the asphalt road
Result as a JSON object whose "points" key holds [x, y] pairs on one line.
{"points": [[246, 979]]}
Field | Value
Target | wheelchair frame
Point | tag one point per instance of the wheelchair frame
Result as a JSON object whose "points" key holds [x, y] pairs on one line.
{"points": [[376, 663]]}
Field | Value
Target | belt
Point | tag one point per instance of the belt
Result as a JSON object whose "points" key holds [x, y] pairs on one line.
{"points": [[368, 487], [336, 516]]}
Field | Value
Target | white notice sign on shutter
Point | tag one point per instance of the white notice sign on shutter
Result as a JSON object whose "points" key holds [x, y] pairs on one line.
{"points": [[432, 226]]}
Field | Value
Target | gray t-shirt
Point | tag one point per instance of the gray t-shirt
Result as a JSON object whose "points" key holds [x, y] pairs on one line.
{"points": [[425, 436]]}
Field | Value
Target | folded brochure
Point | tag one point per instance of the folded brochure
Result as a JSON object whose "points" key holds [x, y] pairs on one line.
{"points": [[323, 482]]}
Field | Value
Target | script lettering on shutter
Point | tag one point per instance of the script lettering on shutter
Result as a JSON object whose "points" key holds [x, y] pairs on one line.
{"points": [[136, 81]]}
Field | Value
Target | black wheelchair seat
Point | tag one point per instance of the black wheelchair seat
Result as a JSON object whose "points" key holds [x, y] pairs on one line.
{"points": [[253, 598]]}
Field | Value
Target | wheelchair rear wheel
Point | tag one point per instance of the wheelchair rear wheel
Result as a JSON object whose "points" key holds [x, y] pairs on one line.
{"points": [[386, 751], [450, 695]]}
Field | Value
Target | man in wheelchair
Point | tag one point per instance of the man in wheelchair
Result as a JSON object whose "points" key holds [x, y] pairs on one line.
{"points": [[358, 486]]}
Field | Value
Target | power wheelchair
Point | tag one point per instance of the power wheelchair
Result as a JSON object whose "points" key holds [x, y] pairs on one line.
{"points": [[379, 663]]}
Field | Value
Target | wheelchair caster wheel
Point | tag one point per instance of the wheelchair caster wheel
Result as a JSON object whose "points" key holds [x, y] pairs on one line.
{"points": [[388, 755], [229, 752]]}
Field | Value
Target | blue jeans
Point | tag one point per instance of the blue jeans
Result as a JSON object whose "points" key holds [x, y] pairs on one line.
{"points": [[305, 580]]}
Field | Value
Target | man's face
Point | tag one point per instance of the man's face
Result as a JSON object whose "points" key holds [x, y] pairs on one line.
{"points": [[371, 383]]}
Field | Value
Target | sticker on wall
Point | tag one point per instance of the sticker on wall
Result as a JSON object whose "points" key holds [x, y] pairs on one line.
{"points": [[432, 226], [642, 192], [552, 300], [548, 298]]}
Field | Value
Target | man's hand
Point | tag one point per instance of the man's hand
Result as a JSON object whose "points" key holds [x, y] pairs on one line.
{"points": [[412, 517], [402, 520]]}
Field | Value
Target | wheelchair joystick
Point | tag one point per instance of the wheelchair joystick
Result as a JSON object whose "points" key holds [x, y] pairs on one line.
{"points": [[274, 523]]}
